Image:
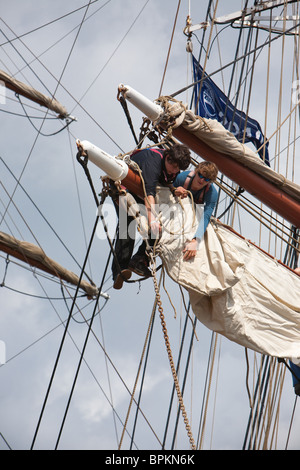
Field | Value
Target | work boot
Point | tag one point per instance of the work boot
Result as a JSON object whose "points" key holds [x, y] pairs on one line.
{"points": [[124, 275], [139, 266]]}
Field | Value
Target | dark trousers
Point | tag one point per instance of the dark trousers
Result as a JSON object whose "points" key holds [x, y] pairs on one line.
{"points": [[124, 245]]}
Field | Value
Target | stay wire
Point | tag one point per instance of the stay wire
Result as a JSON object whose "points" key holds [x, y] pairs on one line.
{"points": [[184, 379], [144, 373], [237, 59], [64, 334], [173, 389], [63, 87], [83, 350], [47, 24]]}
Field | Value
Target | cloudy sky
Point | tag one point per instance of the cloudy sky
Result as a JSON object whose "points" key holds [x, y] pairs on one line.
{"points": [[81, 55]]}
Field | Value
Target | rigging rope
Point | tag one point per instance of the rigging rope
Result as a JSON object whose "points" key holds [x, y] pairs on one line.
{"points": [[64, 336], [169, 352]]}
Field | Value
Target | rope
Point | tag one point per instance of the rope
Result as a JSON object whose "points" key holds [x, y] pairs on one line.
{"points": [[169, 352], [138, 373]]}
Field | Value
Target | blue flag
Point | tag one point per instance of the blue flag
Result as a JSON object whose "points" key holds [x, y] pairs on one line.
{"points": [[214, 104]]}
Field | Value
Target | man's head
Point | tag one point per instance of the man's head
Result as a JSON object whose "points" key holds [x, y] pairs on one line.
{"points": [[177, 158]]}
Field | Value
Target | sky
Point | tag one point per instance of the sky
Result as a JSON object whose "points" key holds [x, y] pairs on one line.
{"points": [[83, 63]]}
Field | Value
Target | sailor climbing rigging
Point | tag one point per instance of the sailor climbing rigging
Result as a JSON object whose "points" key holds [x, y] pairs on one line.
{"points": [[157, 167], [199, 184]]}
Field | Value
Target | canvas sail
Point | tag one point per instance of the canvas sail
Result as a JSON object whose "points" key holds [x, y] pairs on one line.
{"points": [[235, 288]]}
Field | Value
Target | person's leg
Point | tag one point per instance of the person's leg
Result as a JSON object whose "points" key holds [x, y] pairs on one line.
{"points": [[123, 248]]}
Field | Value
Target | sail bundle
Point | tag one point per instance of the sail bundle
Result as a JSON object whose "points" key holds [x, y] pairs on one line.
{"points": [[32, 94], [235, 288]]}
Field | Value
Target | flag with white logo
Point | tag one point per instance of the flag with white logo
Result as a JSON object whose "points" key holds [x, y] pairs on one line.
{"points": [[214, 104]]}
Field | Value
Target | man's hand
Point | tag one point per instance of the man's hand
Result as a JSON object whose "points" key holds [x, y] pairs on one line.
{"points": [[155, 228], [180, 192], [190, 250]]}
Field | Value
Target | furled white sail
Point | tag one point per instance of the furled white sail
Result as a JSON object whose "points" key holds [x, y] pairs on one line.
{"points": [[235, 288]]}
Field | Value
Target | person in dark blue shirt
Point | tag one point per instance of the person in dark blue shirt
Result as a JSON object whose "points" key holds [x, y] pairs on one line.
{"points": [[158, 167], [199, 184]]}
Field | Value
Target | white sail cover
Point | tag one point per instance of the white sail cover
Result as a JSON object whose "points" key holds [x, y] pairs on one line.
{"points": [[235, 288]]}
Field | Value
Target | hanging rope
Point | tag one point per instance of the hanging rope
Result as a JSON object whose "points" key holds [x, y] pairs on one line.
{"points": [[169, 352]]}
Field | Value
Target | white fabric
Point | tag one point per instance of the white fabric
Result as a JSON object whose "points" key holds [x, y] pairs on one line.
{"points": [[217, 137], [235, 288]]}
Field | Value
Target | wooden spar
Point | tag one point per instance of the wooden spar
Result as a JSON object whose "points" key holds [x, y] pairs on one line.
{"points": [[116, 169], [35, 257], [265, 191], [252, 182], [268, 193], [133, 183]]}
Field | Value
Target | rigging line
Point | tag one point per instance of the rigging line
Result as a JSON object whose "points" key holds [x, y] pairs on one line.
{"points": [[84, 346], [263, 405], [291, 422], [169, 352], [233, 61], [64, 335], [27, 116], [5, 441], [55, 43], [59, 83], [76, 101], [20, 55], [68, 121], [11, 220], [78, 196], [206, 57], [67, 60], [259, 216], [50, 22], [19, 212], [205, 388], [208, 391], [202, 47], [24, 167], [84, 162], [59, 325], [109, 380], [109, 59], [274, 402], [257, 393], [173, 389], [246, 48], [63, 37], [125, 386], [184, 379], [31, 106], [42, 215], [152, 319], [170, 46], [34, 295], [24, 254], [72, 339]]}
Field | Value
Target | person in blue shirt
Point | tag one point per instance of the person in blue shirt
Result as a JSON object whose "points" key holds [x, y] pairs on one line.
{"points": [[199, 184]]}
